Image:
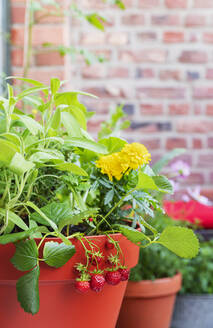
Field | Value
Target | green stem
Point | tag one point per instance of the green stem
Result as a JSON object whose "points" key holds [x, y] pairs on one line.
{"points": [[28, 38]]}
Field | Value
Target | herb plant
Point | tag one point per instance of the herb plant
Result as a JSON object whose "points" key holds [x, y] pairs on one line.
{"points": [[57, 181]]}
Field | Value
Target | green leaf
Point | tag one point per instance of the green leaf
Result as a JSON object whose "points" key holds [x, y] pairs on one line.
{"points": [[28, 291], [56, 255], [77, 218], [41, 214], [55, 211], [159, 183], [15, 219], [79, 115], [95, 20], [26, 255], [145, 182], [56, 120], [131, 234], [48, 155], [72, 168], [157, 167], [19, 165], [163, 184], [30, 91], [33, 126], [86, 144], [34, 82], [55, 85], [7, 151], [12, 137], [113, 144], [14, 237], [181, 241], [109, 196], [71, 124]]}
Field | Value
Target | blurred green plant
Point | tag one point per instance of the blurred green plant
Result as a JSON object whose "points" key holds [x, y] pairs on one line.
{"points": [[37, 10]]}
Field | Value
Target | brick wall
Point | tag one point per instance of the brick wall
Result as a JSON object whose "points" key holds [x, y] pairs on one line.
{"points": [[160, 65]]}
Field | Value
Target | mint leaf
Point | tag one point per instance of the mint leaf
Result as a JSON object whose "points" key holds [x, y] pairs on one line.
{"points": [[181, 241], [56, 255], [28, 291], [26, 255]]}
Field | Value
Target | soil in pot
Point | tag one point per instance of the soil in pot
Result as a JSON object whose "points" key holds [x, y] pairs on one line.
{"points": [[60, 304], [149, 304]]}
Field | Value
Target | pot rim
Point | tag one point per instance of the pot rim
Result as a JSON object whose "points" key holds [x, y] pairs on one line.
{"points": [[154, 288]]}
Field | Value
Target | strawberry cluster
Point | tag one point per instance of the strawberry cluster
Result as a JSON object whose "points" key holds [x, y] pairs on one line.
{"points": [[95, 279]]}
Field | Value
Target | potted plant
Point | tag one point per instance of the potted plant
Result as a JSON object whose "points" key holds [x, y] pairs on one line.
{"points": [[154, 282], [193, 306], [65, 232]]}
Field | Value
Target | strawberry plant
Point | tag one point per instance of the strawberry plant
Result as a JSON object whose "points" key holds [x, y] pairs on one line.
{"points": [[57, 181]]}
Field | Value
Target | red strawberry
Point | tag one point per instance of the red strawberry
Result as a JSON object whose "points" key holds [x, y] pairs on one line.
{"points": [[82, 286], [97, 282], [96, 258], [124, 274], [90, 219], [113, 277], [109, 244]]}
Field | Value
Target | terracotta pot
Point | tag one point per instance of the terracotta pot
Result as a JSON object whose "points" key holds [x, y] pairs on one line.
{"points": [[149, 304], [60, 304]]}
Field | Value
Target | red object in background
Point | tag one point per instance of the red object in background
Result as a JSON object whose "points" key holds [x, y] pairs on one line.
{"points": [[191, 211]]}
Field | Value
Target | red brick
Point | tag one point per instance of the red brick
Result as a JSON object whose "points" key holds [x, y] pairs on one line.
{"points": [[197, 143], [145, 73], [43, 75], [203, 93], [194, 126], [94, 126], [49, 59], [205, 160], [144, 56], [164, 20], [194, 178], [148, 3], [47, 34], [118, 72], [172, 143], [94, 71], [203, 3], [176, 3], [210, 142], [170, 75], [117, 39], [107, 91], [147, 36], [17, 15], [42, 18], [137, 19], [151, 144], [209, 73], [196, 57], [151, 109], [100, 107], [17, 57], [161, 93], [173, 37], [208, 37], [179, 109], [93, 38], [17, 36], [209, 109], [195, 20]]}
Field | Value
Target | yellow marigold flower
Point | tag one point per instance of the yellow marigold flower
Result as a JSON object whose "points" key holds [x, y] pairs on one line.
{"points": [[111, 165], [133, 155]]}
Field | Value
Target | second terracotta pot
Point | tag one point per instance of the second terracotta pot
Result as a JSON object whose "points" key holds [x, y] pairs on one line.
{"points": [[149, 304]]}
